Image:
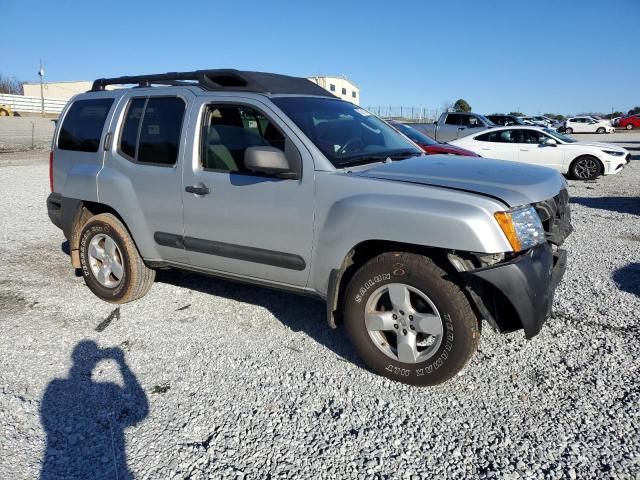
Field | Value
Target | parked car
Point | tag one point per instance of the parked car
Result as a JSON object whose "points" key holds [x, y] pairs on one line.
{"points": [[274, 181], [505, 120], [630, 122], [546, 147], [427, 144], [452, 125], [615, 121], [586, 125]]}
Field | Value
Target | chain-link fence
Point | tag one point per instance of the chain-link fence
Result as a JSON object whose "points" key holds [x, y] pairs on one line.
{"points": [[415, 114], [25, 133]]}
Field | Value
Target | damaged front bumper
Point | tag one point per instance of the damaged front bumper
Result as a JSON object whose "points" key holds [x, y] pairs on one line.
{"points": [[527, 283]]}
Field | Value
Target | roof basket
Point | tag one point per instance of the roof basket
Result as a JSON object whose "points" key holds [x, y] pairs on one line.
{"points": [[220, 80]]}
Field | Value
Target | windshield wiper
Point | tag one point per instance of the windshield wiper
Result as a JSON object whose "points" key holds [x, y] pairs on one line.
{"points": [[379, 157]]}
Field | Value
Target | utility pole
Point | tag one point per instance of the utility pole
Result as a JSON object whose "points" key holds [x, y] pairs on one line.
{"points": [[41, 74]]}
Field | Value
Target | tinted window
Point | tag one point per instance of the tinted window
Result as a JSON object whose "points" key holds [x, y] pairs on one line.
{"points": [[453, 119], [499, 136], [83, 124], [129, 137], [471, 121], [229, 130], [151, 130], [532, 136]]}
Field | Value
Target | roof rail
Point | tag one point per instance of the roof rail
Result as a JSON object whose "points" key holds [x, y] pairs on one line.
{"points": [[220, 80]]}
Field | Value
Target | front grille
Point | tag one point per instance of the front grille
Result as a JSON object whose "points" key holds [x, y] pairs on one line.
{"points": [[555, 215]]}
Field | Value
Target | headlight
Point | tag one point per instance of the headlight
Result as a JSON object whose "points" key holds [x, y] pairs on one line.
{"points": [[613, 152], [522, 227]]}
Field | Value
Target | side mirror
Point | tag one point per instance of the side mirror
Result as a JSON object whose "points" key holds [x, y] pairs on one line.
{"points": [[550, 142], [269, 160]]}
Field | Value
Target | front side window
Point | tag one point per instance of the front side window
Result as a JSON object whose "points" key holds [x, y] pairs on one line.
{"points": [[345, 133], [471, 121], [228, 130], [533, 136], [151, 130], [82, 127]]}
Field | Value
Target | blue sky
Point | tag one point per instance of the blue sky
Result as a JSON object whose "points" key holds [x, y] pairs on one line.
{"points": [[538, 56]]}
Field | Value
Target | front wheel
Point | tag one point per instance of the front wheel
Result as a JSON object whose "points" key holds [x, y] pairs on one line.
{"points": [[585, 167], [409, 321], [629, 126], [111, 265], [600, 130], [568, 130]]}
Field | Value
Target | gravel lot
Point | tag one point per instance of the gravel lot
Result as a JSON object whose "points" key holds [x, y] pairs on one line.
{"points": [[209, 379]]}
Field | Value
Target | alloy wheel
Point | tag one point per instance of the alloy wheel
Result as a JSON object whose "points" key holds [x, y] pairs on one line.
{"points": [[106, 261], [403, 323]]}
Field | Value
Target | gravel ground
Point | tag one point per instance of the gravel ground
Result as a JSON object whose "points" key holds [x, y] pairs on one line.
{"points": [[209, 379]]}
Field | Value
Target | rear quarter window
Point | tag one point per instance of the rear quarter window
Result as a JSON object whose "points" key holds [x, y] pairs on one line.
{"points": [[82, 126]]}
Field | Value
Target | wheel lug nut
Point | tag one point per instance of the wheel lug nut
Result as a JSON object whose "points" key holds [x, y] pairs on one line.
{"points": [[395, 317], [412, 327], [395, 325], [411, 317], [404, 332], [401, 312]]}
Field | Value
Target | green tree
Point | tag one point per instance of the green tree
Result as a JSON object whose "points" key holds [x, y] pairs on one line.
{"points": [[461, 105], [634, 110], [555, 116]]}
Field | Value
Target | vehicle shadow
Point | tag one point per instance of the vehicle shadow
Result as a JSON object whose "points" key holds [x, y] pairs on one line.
{"points": [[628, 278], [629, 205], [297, 312], [84, 420]]}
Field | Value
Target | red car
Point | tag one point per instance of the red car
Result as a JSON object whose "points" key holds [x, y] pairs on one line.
{"points": [[427, 144], [630, 122]]}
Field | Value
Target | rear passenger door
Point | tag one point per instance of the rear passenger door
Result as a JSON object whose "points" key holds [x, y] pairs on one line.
{"points": [[246, 224], [141, 178], [499, 144]]}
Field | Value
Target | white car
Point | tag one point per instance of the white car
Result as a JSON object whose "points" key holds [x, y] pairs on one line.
{"points": [[587, 125], [548, 148]]}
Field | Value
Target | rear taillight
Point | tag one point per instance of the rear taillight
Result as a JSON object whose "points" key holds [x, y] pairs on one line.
{"points": [[51, 170]]}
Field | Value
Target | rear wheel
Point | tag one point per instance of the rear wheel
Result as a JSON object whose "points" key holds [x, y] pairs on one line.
{"points": [[600, 130], [568, 130], [585, 167], [629, 126], [111, 265], [408, 321]]}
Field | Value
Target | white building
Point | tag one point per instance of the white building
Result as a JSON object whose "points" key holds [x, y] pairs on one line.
{"points": [[59, 90], [339, 86]]}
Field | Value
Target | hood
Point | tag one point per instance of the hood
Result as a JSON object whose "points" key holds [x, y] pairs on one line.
{"points": [[513, 183]]}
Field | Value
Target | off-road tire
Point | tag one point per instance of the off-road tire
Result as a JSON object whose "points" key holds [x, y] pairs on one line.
{"points": [[461, 329], [578, 174], [137, 278]]}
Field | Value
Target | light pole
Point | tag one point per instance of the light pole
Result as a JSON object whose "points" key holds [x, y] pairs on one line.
{"points": [[41, 74]]}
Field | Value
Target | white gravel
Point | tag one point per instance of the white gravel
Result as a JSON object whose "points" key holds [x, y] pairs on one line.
{"points": [[242, 382]]}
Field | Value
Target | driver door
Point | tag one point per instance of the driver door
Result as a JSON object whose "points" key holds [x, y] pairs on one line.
{"points": [[237, 221], [533, 150]]}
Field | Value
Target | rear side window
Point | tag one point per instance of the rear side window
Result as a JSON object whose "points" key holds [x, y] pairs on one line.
{"points": [[83, 124], [151, 130], [453, 119]]}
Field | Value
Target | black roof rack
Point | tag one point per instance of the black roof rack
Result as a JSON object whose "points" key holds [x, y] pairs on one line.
{"points": [[220, 80]]}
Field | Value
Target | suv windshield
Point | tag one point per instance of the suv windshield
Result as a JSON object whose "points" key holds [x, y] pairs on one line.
{"points": [[344, 132]]}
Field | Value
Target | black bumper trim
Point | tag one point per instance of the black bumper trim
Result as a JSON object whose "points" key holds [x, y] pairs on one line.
{"points": [[54, 209], [528, 282]]}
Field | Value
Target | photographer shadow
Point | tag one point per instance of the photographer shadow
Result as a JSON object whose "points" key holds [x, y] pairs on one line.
{"points": [[84, 420]]}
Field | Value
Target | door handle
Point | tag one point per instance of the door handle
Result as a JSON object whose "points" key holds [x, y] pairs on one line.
{"points": [[462, 128], [204, 190], [524, 149]]}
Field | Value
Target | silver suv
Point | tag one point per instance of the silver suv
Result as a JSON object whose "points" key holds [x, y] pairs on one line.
{"points": [[272, 180]]}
